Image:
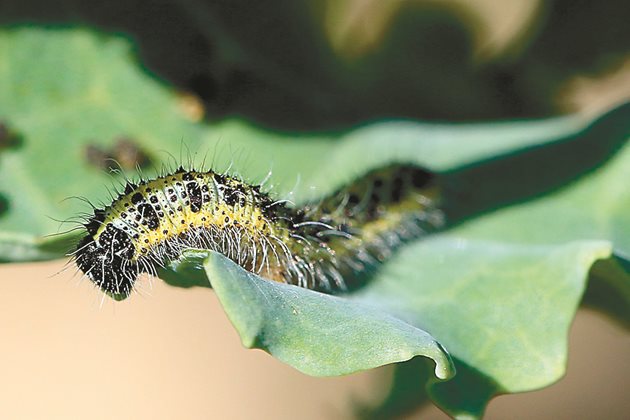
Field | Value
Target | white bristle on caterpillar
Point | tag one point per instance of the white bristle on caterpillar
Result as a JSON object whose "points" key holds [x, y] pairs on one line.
{"points": [[321, 246]]}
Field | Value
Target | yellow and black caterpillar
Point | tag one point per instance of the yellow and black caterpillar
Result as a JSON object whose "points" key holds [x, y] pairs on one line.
{"points": [[319, 246]]}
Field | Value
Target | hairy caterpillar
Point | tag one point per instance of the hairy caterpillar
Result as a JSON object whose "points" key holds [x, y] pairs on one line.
{"points": [[320, 246]]}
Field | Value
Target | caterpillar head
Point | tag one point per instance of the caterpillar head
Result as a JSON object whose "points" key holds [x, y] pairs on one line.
{"points": [[106, 261]]}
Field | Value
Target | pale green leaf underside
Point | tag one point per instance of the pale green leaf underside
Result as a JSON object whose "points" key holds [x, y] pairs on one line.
{"points": [[319, 334], [502, 310], [596, 207]]}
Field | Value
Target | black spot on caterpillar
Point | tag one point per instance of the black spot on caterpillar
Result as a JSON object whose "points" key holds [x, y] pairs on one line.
{"points": [[320, 245]]}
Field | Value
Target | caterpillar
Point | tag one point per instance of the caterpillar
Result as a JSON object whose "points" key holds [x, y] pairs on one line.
{"points": [[322, 246]]}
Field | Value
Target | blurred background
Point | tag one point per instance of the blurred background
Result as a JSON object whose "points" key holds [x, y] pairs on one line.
{"points": [[325, 64], [174, 354]]}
